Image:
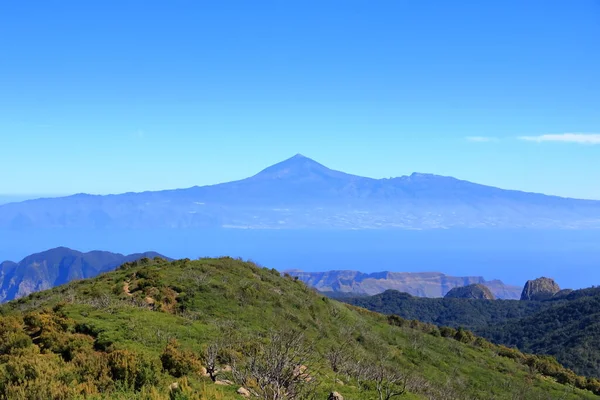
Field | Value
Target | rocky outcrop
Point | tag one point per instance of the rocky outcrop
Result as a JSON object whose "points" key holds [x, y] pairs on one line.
{"points": [[540, 289], [475, 291], [421, 284]]}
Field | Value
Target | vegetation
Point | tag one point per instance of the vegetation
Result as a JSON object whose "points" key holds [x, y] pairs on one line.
{"points": [[204, 329], [570, 331], [454, 312], [567, 326]]}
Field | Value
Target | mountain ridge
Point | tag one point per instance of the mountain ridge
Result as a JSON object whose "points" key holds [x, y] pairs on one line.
{"points": [[421, 284], [300, 193], [57, 266]]}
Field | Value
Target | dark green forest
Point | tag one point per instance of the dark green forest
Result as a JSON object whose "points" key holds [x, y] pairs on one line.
{"points": [[566, 326]]}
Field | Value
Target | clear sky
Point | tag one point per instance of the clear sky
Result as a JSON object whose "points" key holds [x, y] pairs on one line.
{"points": [[114, 96]]}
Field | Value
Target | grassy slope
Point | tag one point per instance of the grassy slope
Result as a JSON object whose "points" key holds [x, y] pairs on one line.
{"points": [[195, 298]]}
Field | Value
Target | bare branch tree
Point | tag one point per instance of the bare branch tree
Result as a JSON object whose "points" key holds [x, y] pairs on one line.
{"points": [[278, 370], [210, 357], [338, 356], [388, 381]]}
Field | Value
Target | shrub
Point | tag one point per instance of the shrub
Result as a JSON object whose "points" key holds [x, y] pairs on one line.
{"points": [[12, 336], [446, 331], [464, 336], [396, 320], [178, 362], [132, 370], [514, 354]]}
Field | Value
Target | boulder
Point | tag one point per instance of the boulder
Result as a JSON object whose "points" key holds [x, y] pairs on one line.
{"points": [[243, 392], [540, 289], [335, 396]]}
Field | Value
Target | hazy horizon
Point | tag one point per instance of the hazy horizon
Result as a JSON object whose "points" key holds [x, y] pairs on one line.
{"points": [[513, 256]]}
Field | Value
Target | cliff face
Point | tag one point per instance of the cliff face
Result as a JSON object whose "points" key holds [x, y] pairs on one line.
{"points": [[540, 289], [475, 291], [55, 267], [422, 284]]}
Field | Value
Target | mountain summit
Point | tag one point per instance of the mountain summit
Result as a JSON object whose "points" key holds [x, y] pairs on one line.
{"points": [[302, 193], [299, 167]]}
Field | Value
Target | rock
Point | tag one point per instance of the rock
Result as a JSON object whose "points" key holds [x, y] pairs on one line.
{"points": [[339, 382], [300, 370], [474, 291], [335, 396], [174, 386], [224, 382], [243, 392], [540, 289]]}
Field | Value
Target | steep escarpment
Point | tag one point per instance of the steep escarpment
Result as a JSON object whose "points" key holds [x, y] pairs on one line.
{"points": [[422, 284]]}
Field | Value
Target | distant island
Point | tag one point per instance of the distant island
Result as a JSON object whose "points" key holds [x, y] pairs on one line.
{"points": [[300, 193]]}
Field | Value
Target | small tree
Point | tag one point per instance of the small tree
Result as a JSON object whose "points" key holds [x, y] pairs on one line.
{"points": [[278, 369], [210, 357], [388, 381]]}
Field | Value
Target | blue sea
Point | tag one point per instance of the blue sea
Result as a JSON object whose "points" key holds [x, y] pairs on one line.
{"points": [[514, 256]]}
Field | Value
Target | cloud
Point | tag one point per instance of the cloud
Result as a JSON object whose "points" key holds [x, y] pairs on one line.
{"points": [[481, 139], [581, 138]]}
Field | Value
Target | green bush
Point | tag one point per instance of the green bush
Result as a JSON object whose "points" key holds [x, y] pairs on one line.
{"points": [[178, 362]]}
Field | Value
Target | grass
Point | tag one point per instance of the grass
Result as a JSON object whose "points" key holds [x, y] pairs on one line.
{"points": [[208, 300]]}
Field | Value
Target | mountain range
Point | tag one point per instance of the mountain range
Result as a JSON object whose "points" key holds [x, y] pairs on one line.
{"points": [[421, 284], [301, 193], [57, 266]]}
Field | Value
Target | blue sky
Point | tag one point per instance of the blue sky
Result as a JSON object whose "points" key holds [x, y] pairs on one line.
{"points": [[114, 96]]}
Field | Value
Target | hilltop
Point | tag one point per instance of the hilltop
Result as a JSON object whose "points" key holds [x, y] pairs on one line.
{"points": [[302, 193], [205, 329], [473, 291]]}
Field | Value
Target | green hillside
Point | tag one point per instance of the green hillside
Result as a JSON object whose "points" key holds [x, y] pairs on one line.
{"points": [[570, 331], [203, 329]]}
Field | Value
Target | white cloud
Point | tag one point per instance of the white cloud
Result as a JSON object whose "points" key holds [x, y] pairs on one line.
{"points": [[481, 139], [581, 138]]}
